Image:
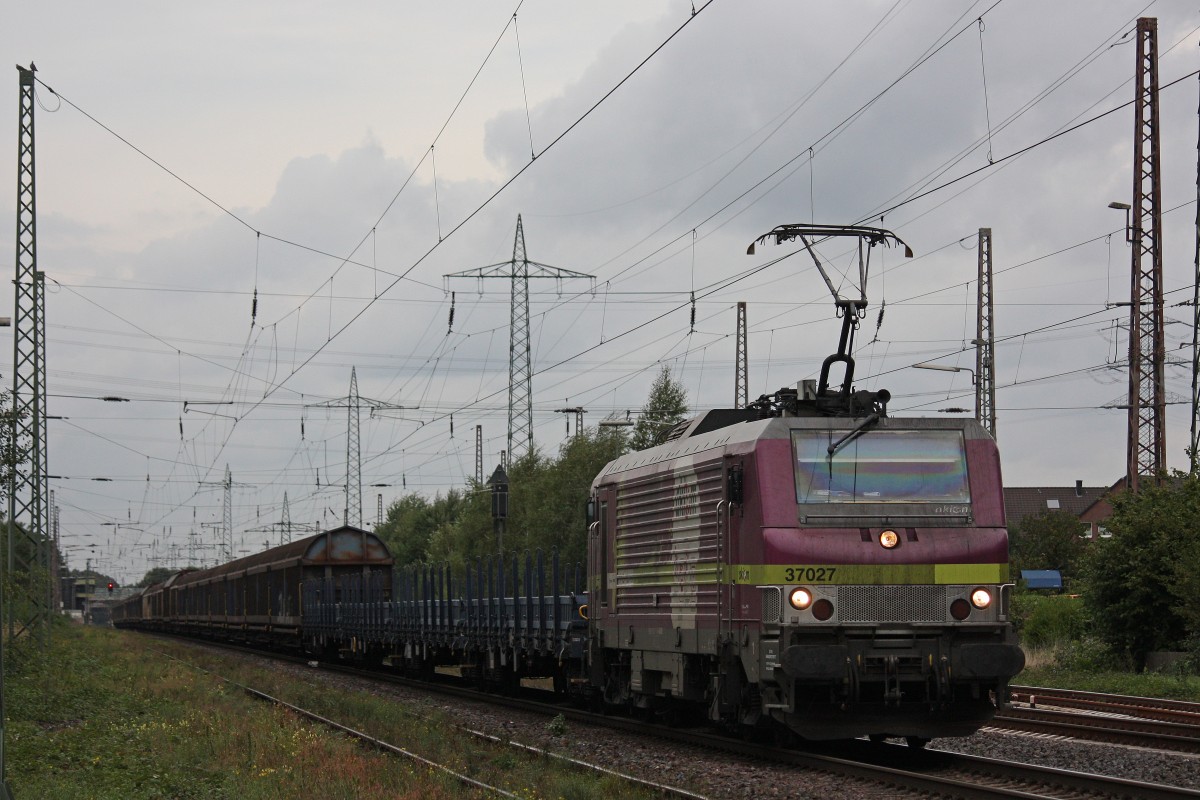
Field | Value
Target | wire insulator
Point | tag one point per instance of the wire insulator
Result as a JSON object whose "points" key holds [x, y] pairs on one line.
{"points": [[450, 326], [693, 324], [254, 307]]}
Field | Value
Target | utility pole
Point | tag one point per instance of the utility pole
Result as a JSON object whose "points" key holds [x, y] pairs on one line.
{"points": [[28, 540], [578, 411], [1194, 452], [28, 603], [352, 514], [479, 455], [285, 525], [985, 339], [741, 369], [520, 371], [225, 545], [1147, 441]]}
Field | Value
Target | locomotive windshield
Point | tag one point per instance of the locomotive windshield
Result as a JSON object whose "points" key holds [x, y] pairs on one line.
{"points": [[881, 466]]}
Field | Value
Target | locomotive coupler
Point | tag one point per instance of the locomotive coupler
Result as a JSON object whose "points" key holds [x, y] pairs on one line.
{"points": [[891, 681]]}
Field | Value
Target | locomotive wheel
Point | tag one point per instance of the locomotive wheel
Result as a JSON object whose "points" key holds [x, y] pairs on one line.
{"points": [[916, 742], [877, 738]]}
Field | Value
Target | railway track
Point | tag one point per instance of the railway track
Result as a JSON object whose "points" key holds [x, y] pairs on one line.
{"points": [[1115, 719], [658, 788], [895, 767]]}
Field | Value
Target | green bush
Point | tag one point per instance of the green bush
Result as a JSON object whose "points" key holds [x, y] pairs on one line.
{"points": [[1052, 619], [1088, 654]]}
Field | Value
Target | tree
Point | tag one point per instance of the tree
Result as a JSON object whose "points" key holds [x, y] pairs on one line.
{"points": [[1137, 583], [13, 452], [412, 521], [546, 505], [1050, 540], [1186, 502], [155, 575], [555, 498], [666, 406]]}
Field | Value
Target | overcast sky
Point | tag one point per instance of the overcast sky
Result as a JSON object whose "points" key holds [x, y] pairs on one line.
{"points": [[331, 160]]}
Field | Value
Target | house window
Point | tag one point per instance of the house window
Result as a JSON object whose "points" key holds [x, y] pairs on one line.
{"points": [[1052, 503]]}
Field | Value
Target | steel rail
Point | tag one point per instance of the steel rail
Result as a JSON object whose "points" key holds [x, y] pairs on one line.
{"points": [[1175, 736], [1147, 707], [928, 771], [653, 786]]}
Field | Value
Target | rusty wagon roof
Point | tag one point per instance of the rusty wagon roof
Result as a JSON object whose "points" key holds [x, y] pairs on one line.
{"points": [[346, 545]]}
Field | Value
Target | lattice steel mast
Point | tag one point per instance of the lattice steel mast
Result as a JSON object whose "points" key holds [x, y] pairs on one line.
{"points": [[985, 339], [741, 369], [352, 514], [1194, 452], [227, 514], [520, 370], [479, 455], [28, 562], [1147, 440], [285, 525]]}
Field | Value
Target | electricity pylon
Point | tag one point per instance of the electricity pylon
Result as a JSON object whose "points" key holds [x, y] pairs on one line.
{"points": [[1147, 440], [352, 514], [520, 371]]}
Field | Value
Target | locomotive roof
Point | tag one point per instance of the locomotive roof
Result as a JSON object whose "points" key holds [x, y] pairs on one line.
{"points": [[698, 436], [346, 545]]}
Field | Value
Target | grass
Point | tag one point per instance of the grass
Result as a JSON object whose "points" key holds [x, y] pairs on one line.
{"points": [[101, 714], [1044, 666]]}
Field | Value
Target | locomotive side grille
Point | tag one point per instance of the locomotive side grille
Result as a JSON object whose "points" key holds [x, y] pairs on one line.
{"points": [[892, 603], [772, 605]]}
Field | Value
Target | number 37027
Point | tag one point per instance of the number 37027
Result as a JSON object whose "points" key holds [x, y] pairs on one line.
{"points": [[809, 574]]}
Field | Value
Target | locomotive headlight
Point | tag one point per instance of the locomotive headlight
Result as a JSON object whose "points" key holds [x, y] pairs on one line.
{"points": [[800, 599], [889, 539], [981, 598]]}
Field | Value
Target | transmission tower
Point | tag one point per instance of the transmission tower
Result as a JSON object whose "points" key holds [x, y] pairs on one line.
{"points": [[352, 514], [285, 525], [985, 339], [28, 562], [227, 515], [479, 455], [1194, 453], [1147, 440], [520, 372], [741, 369]]}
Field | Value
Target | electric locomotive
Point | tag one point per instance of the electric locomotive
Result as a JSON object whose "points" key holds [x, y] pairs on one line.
{"points": [[807, 562]]}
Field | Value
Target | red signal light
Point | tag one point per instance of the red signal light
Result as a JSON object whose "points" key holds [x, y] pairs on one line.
{"points": [[111, 585]]}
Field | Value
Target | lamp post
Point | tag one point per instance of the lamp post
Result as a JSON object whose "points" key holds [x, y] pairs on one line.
{"points": [[944, 368], [1119, 206]]}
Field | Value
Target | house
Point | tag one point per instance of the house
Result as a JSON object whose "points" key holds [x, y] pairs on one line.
{"points": [[1088, 503]]}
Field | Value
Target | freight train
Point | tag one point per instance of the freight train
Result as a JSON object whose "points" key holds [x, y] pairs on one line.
{"points": [[806, 565]]}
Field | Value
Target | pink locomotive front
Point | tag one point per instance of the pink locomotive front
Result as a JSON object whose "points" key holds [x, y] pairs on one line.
{"points": [[833, 577]]}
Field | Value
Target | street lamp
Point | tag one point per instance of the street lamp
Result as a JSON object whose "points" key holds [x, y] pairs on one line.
{"points": [[1119, 206], [944, 368]]}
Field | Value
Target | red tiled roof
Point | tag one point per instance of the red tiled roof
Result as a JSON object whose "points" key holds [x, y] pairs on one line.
{"points": [[1021, 501]]}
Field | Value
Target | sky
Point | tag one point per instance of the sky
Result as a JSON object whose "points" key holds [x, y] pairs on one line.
{"points": [[239, 204]]}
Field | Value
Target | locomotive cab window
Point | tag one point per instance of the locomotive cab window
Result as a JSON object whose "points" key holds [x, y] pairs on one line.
{"points": [[881, 466]]}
